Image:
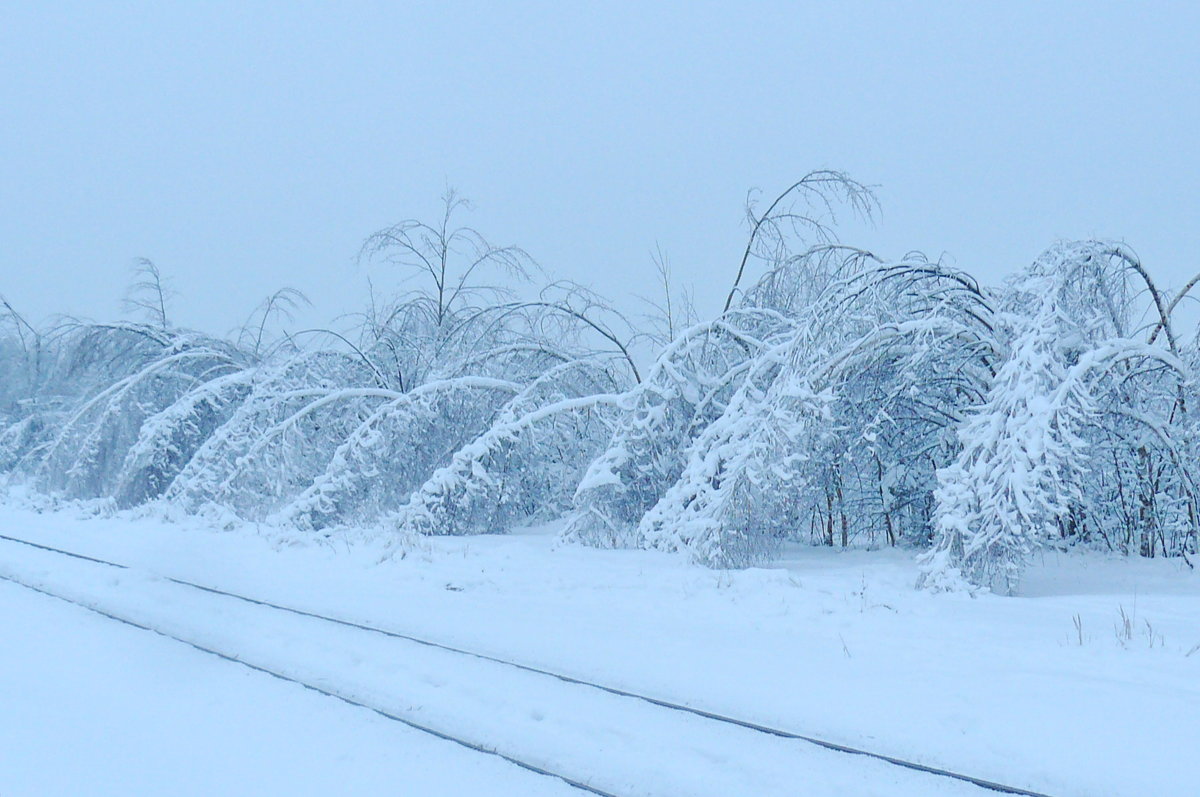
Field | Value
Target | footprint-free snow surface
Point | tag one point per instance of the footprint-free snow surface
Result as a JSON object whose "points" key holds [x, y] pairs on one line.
{"points": [[1082, 685]]}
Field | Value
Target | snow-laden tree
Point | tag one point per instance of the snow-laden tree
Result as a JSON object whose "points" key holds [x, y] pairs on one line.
{"points": [[88, 391], [23, 363], [824, 399], [277, 437], [697, 374], [356, 428], [1080, 407], [523, 468], [683, 392], [818, 426], [113, 378]]}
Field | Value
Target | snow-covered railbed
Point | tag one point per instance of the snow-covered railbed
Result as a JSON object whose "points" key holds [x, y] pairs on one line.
{"points": [[616, 744], [93, 707], [837, 645]]}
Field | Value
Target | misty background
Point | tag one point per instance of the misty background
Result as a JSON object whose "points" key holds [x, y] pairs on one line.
{"points": [[247, 146]]}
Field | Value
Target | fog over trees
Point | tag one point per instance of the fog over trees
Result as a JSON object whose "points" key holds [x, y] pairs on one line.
{"points": [[839, 399]]}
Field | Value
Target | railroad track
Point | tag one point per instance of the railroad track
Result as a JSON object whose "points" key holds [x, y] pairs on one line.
{"points": [[523, 761]]}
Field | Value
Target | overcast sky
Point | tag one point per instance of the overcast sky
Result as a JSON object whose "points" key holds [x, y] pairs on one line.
{"points": [[246, 146]]}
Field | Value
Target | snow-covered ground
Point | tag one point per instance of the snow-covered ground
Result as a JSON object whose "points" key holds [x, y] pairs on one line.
{"points": [[1047, 691], [91, 707]]}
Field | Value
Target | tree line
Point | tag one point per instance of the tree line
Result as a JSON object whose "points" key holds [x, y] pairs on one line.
{"points": [[839, 399]]}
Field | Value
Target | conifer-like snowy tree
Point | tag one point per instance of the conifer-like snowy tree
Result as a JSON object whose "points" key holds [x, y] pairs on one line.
{"points": [[1028, 464]]}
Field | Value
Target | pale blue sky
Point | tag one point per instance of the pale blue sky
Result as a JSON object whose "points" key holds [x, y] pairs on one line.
{"points": [[245, 146]]}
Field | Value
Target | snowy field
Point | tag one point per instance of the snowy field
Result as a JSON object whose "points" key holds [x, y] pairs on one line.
{"points": [[1081, 685]]}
